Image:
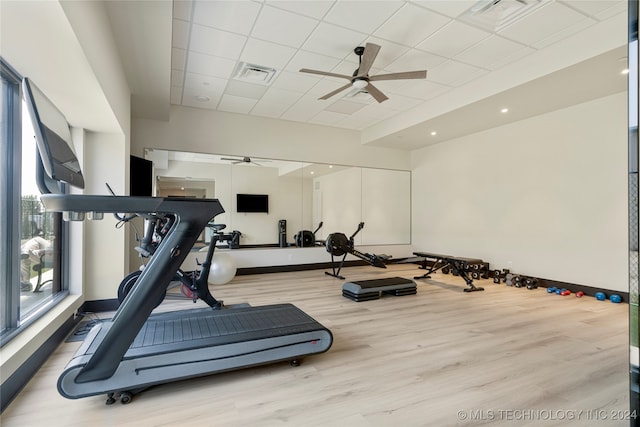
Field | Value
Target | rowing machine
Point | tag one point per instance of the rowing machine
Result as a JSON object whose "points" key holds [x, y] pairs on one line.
{"points": [[338, 245]]}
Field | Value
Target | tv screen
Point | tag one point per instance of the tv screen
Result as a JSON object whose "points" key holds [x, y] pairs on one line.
{"points": [[53, 137], [252, 203], [140, 176]]}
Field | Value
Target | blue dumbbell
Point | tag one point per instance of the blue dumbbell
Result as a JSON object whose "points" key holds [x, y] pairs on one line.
{"points": [[601, 296], [615, 298]]}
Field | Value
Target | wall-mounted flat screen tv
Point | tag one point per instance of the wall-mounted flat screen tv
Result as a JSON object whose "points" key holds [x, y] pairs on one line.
{"points": [[252, 203]]}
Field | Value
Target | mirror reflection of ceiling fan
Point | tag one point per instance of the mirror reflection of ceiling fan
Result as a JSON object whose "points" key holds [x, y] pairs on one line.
{"points": [[361, 79], [247, 160]]}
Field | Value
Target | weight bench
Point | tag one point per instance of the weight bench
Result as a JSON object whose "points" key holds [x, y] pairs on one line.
{"points": [[367, 290], [458, 265]]}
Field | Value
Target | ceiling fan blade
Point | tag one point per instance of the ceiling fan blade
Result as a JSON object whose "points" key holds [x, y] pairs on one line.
{"points": [[325, 73], [370, 52], [340, 89], [401, 76], [230, 159], [375, 92]]}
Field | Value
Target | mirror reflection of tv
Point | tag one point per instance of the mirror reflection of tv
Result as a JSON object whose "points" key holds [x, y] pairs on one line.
{"points": [[53, 137], [252, 203]]}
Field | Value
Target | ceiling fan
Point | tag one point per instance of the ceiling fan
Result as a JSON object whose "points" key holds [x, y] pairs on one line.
{"points": [[237, 161], [361, 79]]}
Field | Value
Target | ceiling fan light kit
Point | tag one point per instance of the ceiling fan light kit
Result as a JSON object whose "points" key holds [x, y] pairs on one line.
{"points": [[361, 79]]}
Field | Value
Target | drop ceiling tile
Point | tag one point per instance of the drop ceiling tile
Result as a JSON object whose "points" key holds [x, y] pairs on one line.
{"points": [[178, 58], [313, 61], [599, 9], [401, 103], [311, 8], [304, 109], [452, 39], [376, 111], [334, 41], [565, 33], [454, 73], [267, 54], [424, 90], [210, 65], [235, 16], [269, 109], [245, 90], [182, 9], [447, 7], [328, 118], [280, 26], [294, 81], [180, 37], [415, 60], [411, 25], [492, 52], [191, 96], [344, 106], [216, 42], [543, 23], [204, 85], [362, 16], [280, 96], [236, 104]]}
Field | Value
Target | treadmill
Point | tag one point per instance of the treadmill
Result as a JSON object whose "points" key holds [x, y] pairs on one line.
{"points": [[137, 349]]}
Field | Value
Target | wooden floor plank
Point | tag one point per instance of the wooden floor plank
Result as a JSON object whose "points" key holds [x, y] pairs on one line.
{"points": [[441, 357]]}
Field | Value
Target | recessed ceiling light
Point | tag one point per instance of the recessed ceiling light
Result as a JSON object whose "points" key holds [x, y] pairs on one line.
{"points": [[330, 166], [202, 98], [434, 133], [504, 110], [625, 71], [312, 173]]}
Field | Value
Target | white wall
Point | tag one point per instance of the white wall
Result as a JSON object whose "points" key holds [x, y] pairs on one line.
{"points": [[545, 197], [105, 246], [204, 131]]}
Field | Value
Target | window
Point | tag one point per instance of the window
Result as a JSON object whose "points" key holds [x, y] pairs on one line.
{"points": [[32, 240]]}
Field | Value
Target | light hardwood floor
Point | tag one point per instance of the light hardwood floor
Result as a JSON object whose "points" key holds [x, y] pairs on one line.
{"points": [[505, 356]]}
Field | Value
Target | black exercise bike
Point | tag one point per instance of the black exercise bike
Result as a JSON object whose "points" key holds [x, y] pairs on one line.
{"points": [[193, 284]]}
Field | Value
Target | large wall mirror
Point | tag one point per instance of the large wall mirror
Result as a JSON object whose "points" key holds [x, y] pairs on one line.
{"points": [[260, 195]]}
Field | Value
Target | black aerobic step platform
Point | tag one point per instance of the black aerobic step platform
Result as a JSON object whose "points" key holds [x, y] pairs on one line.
{"points": [[367, 290]]}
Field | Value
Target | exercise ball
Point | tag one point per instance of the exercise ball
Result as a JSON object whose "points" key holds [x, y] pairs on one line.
{"points": [[223, 268]]}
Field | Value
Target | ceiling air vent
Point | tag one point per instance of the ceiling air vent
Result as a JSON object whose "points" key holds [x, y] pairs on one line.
{"points": [[252, 73], [495, 15]]}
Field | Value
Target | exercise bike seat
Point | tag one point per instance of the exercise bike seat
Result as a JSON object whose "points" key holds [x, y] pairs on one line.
{"points": [[216, 227]]}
